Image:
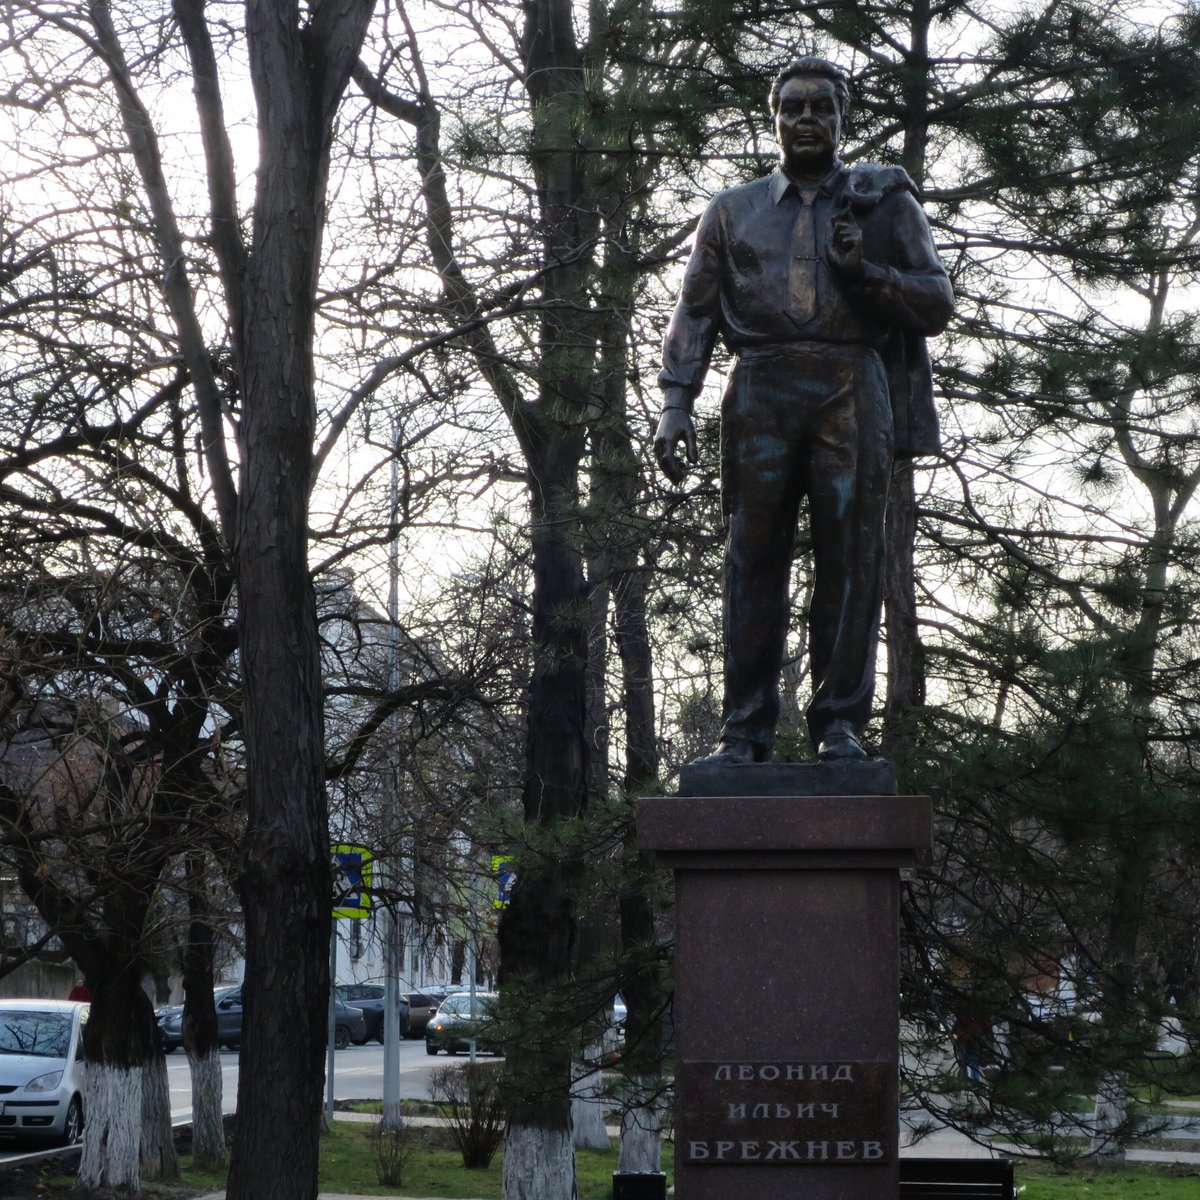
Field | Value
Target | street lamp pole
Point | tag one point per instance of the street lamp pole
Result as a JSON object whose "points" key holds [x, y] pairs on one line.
{"points": [[474, 964], [392, 950]]}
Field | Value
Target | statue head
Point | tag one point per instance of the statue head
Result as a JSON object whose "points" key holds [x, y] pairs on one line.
{"points": [[809, 100]]}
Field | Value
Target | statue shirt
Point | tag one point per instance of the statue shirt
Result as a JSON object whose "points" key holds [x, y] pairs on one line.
{"points": [[743, 282]]}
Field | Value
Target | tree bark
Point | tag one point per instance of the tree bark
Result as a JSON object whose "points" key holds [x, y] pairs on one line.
{"points": [[112, 1107], [539, 1163], [905, 650], [119, 1035], [538, 936], [587, 1101], [616, 485], [208, 1123], [537, 932], [299, 70], [641, 1128], [119, 1041], [157, 1150], [200, 1024]]}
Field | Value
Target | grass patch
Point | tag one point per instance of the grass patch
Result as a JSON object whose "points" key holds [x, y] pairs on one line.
{"points": [[408, 1108], [435, 1169], [1173, 1182], [209, 1181]]}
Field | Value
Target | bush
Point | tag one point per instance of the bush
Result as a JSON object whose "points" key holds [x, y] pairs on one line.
{"points": [[470, 1096], [391, 1149]]}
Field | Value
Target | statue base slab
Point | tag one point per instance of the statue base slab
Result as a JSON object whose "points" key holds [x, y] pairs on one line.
{"points": [[786, 988], [864, 777]]}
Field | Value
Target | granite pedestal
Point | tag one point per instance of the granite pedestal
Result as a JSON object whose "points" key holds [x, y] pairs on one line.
{"points": [[787, 976]]}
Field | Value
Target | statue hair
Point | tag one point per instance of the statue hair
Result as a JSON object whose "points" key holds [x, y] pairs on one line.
{"points": [[812, 64]]}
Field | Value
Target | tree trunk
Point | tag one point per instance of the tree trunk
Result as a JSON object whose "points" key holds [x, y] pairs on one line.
{"points": [[905, 651], [119, 1038], [1108, 1115], [597, 677], [157, 1152], [538, 937], [644, 994], [587, 1102], [616, 485], [537, 930], [208, 1122], [112, 1108], [641, 1129], [539, 1163], [299, 75], [200, 1024], [1135, 833]]}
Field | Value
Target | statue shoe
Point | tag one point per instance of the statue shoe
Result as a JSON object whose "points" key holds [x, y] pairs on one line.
{"points": [[730, 752], [840, 744]]}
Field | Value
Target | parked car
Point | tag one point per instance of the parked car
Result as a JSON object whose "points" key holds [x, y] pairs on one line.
{"points": [[453, 1026], [229, 1019], [421, 1006], [42, 1069], [368, 999], [349, 1023], [169, 1020]]}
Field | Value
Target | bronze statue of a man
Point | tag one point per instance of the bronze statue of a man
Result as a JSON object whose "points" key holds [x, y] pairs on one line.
{"points": [[823, 281]]}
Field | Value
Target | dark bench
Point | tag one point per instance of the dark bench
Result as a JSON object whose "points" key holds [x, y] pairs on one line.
{"points": [[956, 1179], [639, 1185]]}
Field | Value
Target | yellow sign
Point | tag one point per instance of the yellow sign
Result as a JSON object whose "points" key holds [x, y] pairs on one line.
{"points": [[506, 876], [352, 873]]}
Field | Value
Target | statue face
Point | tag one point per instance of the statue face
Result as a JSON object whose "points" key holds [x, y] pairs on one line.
{"points": [[808, 124]]}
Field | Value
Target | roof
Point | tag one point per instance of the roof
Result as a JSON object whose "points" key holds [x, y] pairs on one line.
{"points": [[41, 1004]]}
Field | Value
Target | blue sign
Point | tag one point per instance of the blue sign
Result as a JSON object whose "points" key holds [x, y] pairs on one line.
{"points": [[506, 875], [353, 868]]}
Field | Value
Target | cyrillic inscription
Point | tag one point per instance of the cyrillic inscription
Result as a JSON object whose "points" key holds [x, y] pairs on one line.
{"points": [[797, 1150], [784, 1112]]}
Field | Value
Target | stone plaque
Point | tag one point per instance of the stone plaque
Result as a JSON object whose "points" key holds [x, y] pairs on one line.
{"points": [[782, 1113]]}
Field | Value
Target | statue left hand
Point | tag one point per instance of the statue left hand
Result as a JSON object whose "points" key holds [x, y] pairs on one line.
{"points": [[675, 427], [846, 248]]}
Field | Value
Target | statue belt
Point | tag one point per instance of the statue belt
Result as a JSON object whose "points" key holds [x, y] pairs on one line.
{"points": [[764, 351]]}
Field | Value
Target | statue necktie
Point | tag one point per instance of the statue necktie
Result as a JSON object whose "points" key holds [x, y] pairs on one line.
{"points": [[802, 273]]}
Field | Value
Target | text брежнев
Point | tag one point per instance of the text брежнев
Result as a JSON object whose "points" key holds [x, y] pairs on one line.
{"points": [[775, 1113]]}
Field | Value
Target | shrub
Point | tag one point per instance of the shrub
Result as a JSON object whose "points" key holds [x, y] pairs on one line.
{"points": [[391, 1149], [470, 1096]]}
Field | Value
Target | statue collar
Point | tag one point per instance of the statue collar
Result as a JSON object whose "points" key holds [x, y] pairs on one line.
{"points": [[782, 185]]}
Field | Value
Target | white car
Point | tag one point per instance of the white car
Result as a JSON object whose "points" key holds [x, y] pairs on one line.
{"points": [[42, 1069]]}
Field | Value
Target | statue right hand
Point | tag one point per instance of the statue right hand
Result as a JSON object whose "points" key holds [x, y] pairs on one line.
{"points": [[675, 426]]}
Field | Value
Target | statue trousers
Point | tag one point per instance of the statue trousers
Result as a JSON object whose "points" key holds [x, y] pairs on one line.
{"points": [[804, 420]]}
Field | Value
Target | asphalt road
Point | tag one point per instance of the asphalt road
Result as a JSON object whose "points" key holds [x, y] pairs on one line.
{"points": [[357, 1075]]}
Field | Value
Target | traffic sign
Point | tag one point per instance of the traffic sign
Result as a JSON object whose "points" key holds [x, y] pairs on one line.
{"points": [[505, 872], [353, 870]]}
